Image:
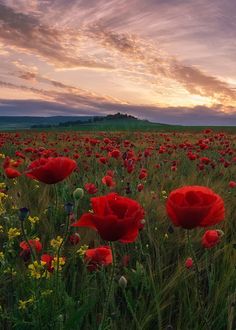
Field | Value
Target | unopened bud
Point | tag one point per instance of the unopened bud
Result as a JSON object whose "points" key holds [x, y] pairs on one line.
{"points": [[24, 212], [78, 193], [220, 232], [122, 282], [68, 208]]}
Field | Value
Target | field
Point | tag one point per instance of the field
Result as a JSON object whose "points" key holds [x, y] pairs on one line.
{"points": [[162, 276]]}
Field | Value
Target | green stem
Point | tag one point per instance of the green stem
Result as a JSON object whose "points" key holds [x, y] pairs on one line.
{"points": [[108, 295], [156, 295], [56, 199], [138, 326], [32, 254], [198, 276], [59, 248]]}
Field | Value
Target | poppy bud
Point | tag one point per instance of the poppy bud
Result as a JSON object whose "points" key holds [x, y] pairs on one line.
{"points": [[78, 193], [189, 263], [221, 233], [24, 212], [68, 208], [170, 229], [122, 282]]}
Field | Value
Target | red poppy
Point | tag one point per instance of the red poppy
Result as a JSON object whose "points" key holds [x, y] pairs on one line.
{"points": [[90, 188], [48, 260], [195, 206], [34, 244], [108, 181], [143, 174], [98, 257], [74, 239], [140, 187], [232, 184], [116, 218], [115, 153], [51, 170], [11, 173], [6, 162], [211, 238]]}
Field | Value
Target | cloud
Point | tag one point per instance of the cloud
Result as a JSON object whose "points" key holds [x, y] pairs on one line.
{"points": [[26, 33], [191, 78], [36, 107]]}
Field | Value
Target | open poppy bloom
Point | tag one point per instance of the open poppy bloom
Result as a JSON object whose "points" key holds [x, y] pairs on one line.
{"points": [[47, 259], [35, 245], [90, 188], [195, 206], [108, 181], [51, 170], [116, 218], [11, 173], [98, 257]]}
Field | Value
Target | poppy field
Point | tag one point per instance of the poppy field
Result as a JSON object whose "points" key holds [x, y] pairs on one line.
{"points": [[118, 230]]}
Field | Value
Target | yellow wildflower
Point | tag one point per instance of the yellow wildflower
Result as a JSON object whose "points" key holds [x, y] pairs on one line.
{"points": [[37, 270], [23, 303], [2, 195], [56, 242], [2, 156], [34, 219], [2, 185], [13, 232], [1, 256], [9, 270], [1, 229], [61, 263], [46, 292], [2, 198], [82, 250], [164, 194]]}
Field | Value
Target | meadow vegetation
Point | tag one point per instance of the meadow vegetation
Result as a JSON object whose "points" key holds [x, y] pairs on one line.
{"points": [[49, 280]]}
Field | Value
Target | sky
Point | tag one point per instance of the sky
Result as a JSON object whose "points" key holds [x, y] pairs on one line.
{"points": [[170, 61]]}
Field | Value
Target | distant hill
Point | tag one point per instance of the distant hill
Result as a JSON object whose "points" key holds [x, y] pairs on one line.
{"points": [[116, 121], [26, 122]]}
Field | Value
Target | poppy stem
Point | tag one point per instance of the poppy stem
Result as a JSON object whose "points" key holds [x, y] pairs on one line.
{"points": [[33, 256], [111, 282], [59, 248], [198, 276], [131, 310], [56, 197]]}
